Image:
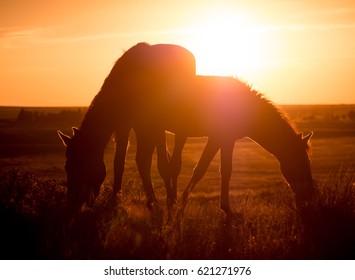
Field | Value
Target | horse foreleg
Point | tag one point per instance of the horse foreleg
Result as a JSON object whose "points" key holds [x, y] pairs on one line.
{"points": [[145, 149], [176, 162], [121, 141], [226, 172], [207, 156]]}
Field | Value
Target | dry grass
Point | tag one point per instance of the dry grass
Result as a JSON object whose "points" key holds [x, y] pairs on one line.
{"points": [[266, 225]]}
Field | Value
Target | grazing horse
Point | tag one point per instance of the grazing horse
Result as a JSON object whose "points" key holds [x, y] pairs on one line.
{"points": [[127, 99], [226, 109]]}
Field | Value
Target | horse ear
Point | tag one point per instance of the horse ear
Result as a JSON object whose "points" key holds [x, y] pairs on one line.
{"points": [[65, 138], [75, 130], [307, 137]]}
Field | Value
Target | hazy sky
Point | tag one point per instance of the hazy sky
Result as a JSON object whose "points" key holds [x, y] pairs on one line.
{"points": [[57, 53]]}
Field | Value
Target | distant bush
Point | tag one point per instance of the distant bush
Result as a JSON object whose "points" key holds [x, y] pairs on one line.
{"points": [[65, 115], [25, 116], [329, 116]]}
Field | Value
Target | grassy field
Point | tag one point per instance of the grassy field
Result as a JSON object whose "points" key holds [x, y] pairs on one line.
{"points": [[266, 224]]}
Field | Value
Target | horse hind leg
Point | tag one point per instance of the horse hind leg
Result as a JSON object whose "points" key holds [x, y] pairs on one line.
{"points": [[121, 141], [163, 159], [176, 162], [145, 149]]}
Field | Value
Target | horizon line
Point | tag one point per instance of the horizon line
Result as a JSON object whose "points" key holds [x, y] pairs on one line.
{"points": [[84, 106]]}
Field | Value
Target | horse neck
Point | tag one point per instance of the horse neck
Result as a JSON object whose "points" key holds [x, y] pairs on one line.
{"points": [[271, 129], [97, 126]]}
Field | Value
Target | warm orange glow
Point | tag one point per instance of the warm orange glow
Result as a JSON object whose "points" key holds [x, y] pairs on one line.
{"points": [[229, 44], [294, 51]]}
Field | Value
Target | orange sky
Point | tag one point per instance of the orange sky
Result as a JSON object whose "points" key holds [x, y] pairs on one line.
{"points": [[57, 53]]}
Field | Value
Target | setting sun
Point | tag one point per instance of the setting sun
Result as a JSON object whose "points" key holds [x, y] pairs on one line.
{"points": [[229, 44]]}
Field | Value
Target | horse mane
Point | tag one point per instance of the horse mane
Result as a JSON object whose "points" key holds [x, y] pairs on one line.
{"points": [[269, 108]]}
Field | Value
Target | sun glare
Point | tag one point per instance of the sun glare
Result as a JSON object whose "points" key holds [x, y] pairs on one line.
{"points": [[227, 44]]}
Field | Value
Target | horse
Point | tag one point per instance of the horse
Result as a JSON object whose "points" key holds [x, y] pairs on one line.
{"points": [[126, 100], [226, 109]]}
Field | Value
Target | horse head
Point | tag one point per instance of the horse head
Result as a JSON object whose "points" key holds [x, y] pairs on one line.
{"points": [[297, 169], [85, 170]]}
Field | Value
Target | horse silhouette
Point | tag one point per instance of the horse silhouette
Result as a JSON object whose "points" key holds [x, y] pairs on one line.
{"points": [[225, 109], [127, 99]]}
